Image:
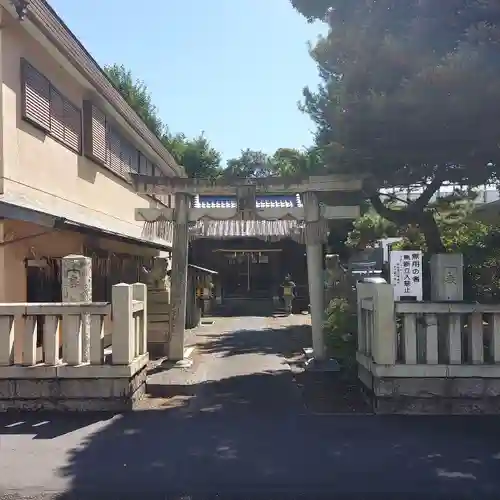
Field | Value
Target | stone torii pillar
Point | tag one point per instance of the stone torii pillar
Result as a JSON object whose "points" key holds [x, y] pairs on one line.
{"points": [[314, 238], [178, 277]]}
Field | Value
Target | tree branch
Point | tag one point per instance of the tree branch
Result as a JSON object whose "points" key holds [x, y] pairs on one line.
{"points": [[423, 200], [395, 198], [395, 216]]}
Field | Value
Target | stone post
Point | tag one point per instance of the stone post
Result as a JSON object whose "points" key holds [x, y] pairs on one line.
{"points": [[123, 334], [218, 292], [179, 277], [158, 318], [314, 248], [76, 280], [447, 277], [447, 285]]}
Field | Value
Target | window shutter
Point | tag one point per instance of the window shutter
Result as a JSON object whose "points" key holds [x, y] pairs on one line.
{"points": [[150, 168], [72, 126], [143, 164], [56, 115], [36, 98], [114, 146], [129, 157], [132, 159], [98, 130], [134, 166], [95, 130]]}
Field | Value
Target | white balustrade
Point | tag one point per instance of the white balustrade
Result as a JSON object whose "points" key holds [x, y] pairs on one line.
{"points": [[448, 333], [426, 339], [62, 330]]}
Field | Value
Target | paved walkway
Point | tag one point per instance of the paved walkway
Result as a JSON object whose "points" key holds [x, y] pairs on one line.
{"points": [[235, 424]]}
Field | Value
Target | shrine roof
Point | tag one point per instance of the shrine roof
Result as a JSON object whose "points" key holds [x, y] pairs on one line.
{"points": [[262, 201]]}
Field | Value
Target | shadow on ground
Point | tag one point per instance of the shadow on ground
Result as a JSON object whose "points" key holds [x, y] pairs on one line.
{"points": [[253, 449], [285, 341], [249, 435], [248, 307], [322, 392]]}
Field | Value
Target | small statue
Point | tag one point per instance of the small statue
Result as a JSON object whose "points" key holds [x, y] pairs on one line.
{"points": [[156, 277]]}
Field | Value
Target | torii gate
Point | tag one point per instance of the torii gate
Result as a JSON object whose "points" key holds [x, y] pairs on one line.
{"points": [[313, 214]]}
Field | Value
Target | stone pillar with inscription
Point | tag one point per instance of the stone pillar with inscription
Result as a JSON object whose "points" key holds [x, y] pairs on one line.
{"points": [[158, 284], [179, 277], [447, 277], [76, 281]]}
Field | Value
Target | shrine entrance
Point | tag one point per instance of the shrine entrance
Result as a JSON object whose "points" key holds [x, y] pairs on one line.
{"points": [[270, 209], [253, 268], [248, 273]]}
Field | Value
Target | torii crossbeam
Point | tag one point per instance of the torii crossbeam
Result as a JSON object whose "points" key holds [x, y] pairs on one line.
{"points": [[312, 217]]}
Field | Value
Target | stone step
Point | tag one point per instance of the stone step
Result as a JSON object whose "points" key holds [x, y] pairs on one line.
{"points": [[155, 336], [158, 305], [161, 325], [158, 296], [158, 318]]}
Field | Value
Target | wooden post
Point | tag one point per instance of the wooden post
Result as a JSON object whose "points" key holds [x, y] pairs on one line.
{"points": [[179, 277]]}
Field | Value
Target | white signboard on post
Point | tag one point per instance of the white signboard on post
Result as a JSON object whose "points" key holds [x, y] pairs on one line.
{"points": [[406, 274]]}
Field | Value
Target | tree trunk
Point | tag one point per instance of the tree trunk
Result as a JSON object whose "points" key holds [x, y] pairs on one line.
{"points": [[432, 235], [413, 216]]}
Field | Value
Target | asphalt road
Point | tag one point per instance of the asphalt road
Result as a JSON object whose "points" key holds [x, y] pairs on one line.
{"points": [[240, 430]]}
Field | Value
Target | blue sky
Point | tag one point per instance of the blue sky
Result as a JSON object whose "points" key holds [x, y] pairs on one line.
{"points": [[233, 69]]}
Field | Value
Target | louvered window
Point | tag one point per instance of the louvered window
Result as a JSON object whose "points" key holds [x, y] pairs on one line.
{"points": [[114, 148], [145, 166], [95, 135], [72, 126], [129, 157], [56, 115], [36, 96], [105, 144], [46, 108]]}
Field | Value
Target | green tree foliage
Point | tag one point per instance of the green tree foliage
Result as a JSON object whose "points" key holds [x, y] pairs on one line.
{"points": [[284, 161], [289, 161], [196, 155], [316, 10], [369, 229], [137, 95], [409, 94], [249, 164], [478, 241]]}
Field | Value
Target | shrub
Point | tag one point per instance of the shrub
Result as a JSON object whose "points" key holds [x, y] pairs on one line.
{"points": [[340, 331]]}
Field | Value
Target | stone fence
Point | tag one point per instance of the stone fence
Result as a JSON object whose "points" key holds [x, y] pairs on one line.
{"points": [[427, 357], [64, 364]]}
